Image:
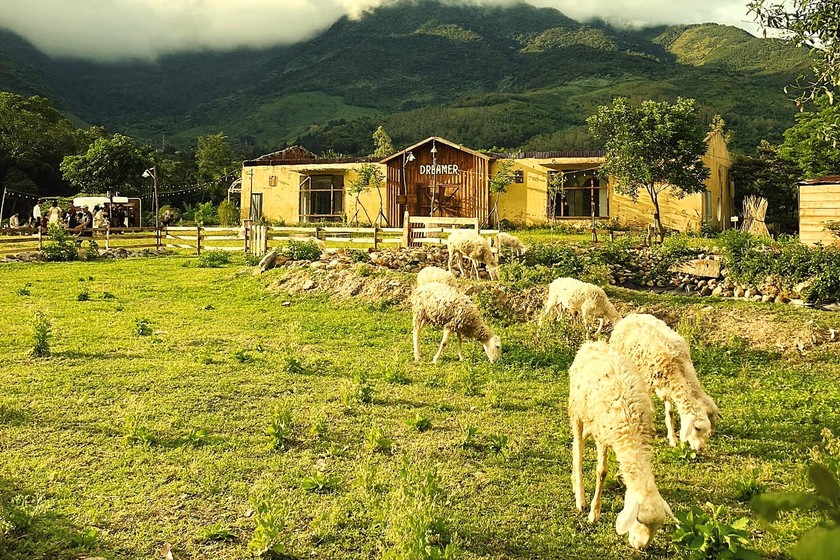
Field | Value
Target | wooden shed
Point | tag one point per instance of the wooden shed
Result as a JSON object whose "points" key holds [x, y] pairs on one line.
{"points": [[819, 202], [437, 177]]}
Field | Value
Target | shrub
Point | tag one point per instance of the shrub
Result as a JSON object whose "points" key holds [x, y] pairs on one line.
{"points": [[704, 535], [60, 246], [320, 483], [213, 259], [92, 250], [203, 213], [419, 423], [24, 290], [359, 256], [41, 334], [281, 428], [555, 255], [142, 327], [228, 213], [270, 536], [301, 250]]}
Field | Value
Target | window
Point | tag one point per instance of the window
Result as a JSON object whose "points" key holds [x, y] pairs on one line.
{"points": [[574, 199], [321, 198]]}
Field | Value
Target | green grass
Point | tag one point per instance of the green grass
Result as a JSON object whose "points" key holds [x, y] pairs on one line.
{"points": [[117, 443]]}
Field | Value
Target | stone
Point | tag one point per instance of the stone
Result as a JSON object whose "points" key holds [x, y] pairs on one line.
{"points": [[718, 291], [738, 292], [308, 285], [705, 291], [756, 298], [780, 299], [268, 261], [749, 293], [286, 303], [767, 298]]}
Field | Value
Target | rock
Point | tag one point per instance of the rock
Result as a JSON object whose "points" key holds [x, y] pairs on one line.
{"points": [[756, 298], [780, 299], [738, 293], [767, 298], [718, 291], [801, 287], [308, 285], [268, 261], [702, 283], [705, 291], [798, 302], [318, 265], [749, 293], [286, 303]]}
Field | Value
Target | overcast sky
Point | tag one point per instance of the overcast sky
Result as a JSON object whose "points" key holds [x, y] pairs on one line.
{"points": [[113, 29]]}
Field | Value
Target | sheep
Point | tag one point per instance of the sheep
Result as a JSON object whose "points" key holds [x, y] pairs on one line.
{"points": [[579, 297], [443, 306], [608, 401], [664, 360], [507, 240], [468, 244], [434, 274]]}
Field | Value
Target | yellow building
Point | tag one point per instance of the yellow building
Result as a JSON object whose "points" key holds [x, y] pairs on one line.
{"points": [[439, 177]]}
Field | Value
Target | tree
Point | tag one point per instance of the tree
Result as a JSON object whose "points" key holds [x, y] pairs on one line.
{"points": [[499, 185], [368, 175], [814, 24], [807, 145], [656, 147], [114, 164], [215, 161], [382, 141], [765, 173]]}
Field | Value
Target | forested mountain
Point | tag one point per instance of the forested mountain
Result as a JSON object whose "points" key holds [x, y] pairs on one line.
{"points": [[506, 76]]}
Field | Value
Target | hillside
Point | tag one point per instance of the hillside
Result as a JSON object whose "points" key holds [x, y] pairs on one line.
{"points": [[512, 76]]}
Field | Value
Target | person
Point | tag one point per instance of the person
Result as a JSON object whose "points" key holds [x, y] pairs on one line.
{"points": [[72, 217], [54, 214], [14, 221], [86, 222], [36, 212], [98, 217]]}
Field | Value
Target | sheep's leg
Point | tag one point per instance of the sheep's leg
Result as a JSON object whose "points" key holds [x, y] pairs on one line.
{"points": [[577, 465], [600, 477], [418, 326], [449, 260], [475, 268], [461, 264], [669, 423], [600, 326], [460, 353], [443, 341]]}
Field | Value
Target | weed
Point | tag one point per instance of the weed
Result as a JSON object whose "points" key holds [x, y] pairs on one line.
{"points": [[136, 433], [493, 395], [270, 537], [213, 259], [320, 426], [320, 483], [24, 290], [251, 259], [703, 535], [749, 486], [84, 295], [419, 423], [142, 327], [301, 250], [215, 533], [19, 514], [294, 364], [376, 440], [498, 442], [86, 538], [281, 428], [108, 295], [470, 440], [359, 255], [195, 438], [41, 333], [395, 376], [242, 356], [472, 382], [357, 391], [683, 453]]}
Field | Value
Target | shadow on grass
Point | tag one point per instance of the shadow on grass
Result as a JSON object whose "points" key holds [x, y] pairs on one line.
{"points": [[33, 530]]}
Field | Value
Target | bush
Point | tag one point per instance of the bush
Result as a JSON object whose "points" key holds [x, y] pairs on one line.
{"points": [[704, 535], [60, 247], [213, 259], [301, 250], [228, 214], [41, 334], [203, 213], [555, 255]]}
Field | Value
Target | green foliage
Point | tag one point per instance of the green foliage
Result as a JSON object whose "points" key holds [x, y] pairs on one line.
{"points": [[767, 174], [282, 427], [382, 141], [213, 259], [196, 437], [376, 441], [749, 486], [301, 250], [114, 164], [214, 157], [703, 535], [142, 326], [84, 295], [60, 246], [419, 422], [217, 532], [41, 334], [24, 290], [228, 214], [655, 147], [19, 514], [812, 143], [136, 433], [271, 536], [320, 483], [498, 442], [203, 213]]}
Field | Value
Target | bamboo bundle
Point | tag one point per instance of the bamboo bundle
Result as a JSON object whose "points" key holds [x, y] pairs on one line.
{"points": [[755, 209]]}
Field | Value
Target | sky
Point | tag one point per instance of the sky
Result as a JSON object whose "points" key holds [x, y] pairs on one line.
{"points": [[147, 29]]}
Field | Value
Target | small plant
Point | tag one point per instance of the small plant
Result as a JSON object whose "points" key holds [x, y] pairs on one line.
{"points": [[320, 483], [682, 453], [195, 438], [213, 259], [216, 533], [242, 356], [498, 442], [357, 391], [749, 486], [704, 536], [92, 250], [41, 334], [86, 538], [319, 427], [142, 327], [84, 295], [19, 513], [136, 433], [301, 250], [60, 247], [358, 256], [24, 290], [251, 259], [493, 395], [376, 440], [470, 440], [294, 364], [281, 428], [270, 538], [108, 295], [395, 377], [419, 423]]}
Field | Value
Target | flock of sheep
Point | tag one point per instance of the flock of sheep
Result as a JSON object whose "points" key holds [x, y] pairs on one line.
{"points": [[609, 383]]}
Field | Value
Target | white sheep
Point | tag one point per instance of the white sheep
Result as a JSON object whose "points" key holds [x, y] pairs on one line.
{"points": [[663, 359], [608, 401], [470, 245], [507, 240], [434, 274], [442, 305], [570, 294]]}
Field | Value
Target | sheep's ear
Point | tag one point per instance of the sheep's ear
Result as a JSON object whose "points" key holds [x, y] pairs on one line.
{"points": [[687, 426], [627, 517], [668, 511]]}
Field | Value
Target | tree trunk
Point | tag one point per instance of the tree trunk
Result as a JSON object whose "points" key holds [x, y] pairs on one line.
{"points": [[657, 220]]}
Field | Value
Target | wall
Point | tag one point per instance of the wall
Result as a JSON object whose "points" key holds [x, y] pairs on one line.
{"points": [[818, 204]]}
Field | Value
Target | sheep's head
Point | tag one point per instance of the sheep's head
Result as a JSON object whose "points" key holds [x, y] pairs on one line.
{"points": [[493, 348], [695, 431], [641, 518]]}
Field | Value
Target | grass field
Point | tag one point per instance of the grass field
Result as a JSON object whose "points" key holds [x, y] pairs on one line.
{"points": [[149, 422]]}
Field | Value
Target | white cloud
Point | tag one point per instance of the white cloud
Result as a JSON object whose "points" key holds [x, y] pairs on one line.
{"points": [[114, 29]]}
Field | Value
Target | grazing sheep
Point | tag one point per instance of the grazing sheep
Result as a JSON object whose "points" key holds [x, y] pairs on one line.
{"points": [[608, 401], [468, 244], [443, 306], [434, 274], [664, 360], [507, 240], [579, 297]]}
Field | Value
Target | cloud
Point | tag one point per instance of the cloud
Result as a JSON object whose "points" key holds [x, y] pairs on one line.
{"points": [[147, 29]]}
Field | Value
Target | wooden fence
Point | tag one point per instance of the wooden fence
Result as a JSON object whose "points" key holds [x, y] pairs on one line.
{"points": [[420, 230]]}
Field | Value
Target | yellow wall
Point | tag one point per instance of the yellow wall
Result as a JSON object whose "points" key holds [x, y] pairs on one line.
{"points": [[280, 187], [818, 204]]}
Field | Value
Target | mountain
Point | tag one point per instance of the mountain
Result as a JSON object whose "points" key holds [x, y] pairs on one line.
{"points": [[505, 76]]}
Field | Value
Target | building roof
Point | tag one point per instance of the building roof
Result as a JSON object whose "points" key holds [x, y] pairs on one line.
{"points": [[436, 139], [297, 155], [826, 180]]}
